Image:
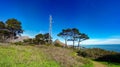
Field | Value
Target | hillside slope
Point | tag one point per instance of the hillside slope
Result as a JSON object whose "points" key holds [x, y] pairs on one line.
{"points": [[40, 56], [24, 56]]}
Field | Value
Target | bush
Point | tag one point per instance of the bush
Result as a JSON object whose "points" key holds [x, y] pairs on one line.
{"points": [[100, 54], [19, 43], [84, 54], [47, 44]]}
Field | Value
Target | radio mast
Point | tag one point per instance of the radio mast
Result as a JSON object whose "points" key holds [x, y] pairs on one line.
{"points": [[50, 29]]}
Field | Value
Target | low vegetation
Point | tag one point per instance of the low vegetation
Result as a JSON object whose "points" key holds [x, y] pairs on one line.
{"points": [[65, 57], [40, 56], [33, 52], [24, 56], [100, 55]]}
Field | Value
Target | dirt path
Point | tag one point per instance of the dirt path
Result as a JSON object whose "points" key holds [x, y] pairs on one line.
{"points": [[98, 64]]}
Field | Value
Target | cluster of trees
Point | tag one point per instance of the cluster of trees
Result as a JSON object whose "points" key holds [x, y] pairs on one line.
{"points": [[39, 39], [73, 34], [10, 29]]}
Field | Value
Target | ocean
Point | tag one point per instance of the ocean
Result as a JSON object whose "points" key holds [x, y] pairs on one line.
{"points": [[111, 47]]}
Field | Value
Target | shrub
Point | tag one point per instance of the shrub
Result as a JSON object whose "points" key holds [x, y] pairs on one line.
{"points": [[47, 44], [81, 53], [100, 54], [19, 43]]}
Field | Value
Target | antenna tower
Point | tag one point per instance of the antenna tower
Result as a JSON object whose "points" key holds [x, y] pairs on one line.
{"points": [[50, 29]]}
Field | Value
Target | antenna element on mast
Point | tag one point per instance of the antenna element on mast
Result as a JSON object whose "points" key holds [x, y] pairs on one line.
{"points": [[50, 29]]}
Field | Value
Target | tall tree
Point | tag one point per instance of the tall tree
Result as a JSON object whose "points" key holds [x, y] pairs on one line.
{"points": [[74, 33], [81, 38], [65, 34], [14, 26]]}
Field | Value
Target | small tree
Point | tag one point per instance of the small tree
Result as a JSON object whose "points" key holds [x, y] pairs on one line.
{"points": [[39, 39], [46, 37]]}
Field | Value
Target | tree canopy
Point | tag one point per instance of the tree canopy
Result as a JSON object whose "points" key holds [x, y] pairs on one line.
{"points": [[65, 33], [72, 34], [10, 29], [39, 39]]}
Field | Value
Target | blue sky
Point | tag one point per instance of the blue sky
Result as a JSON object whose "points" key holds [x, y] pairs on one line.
{"points": [[100, 19]]}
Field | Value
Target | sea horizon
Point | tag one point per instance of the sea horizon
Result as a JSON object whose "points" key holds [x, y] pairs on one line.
{"points": [[109, 47]]}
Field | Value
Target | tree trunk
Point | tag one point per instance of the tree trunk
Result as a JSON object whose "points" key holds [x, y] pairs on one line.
{"points": [[79, 43], [39, 43], [73, 43], [3, 38], [65, 43]]}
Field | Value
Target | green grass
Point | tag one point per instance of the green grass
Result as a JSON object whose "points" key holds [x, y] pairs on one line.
{"points": [[40, 56], [111, 64], [88, 65], [24, 56]]}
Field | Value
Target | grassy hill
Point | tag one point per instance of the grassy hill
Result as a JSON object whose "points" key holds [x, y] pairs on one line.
{"points": [[40, 56], [45, 56], [24, 56]]}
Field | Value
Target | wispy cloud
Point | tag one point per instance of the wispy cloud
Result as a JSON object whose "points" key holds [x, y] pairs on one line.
{"points": [[102, 41], [111, 40], [32, 34]]}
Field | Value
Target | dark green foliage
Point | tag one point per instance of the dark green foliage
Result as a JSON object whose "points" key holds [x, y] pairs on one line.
{"points": [[65, 34], [82, 37], [84, 54], [2, 25], [47, 44], [14, 26], [28, 41], [73, 34], [100, 55], [94, 52], [19, 43], [46, 37], [114, 58], [39, 39], [9, 30]]}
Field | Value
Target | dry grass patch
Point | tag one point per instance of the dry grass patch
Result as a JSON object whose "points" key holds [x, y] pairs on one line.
{"points": [[65, 57]]}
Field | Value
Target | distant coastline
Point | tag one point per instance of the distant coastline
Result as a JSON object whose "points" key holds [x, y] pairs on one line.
{"points": [[110, 47]]}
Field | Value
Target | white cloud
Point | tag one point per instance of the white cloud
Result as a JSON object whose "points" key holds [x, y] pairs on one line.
{"points": [[111, 40], [102, 41], [32, 34], [97, 41]]}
